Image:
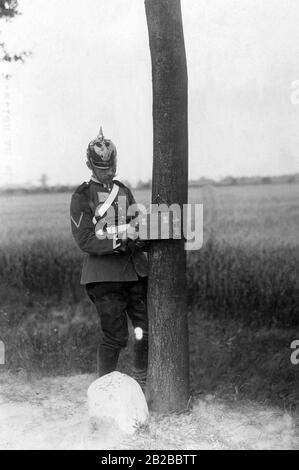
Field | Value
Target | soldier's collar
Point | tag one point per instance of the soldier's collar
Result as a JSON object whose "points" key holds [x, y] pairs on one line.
{"points": [[106, 186]]}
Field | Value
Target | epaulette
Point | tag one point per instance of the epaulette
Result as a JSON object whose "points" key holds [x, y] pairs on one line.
{"points": [[121, 185], [81, 188]]}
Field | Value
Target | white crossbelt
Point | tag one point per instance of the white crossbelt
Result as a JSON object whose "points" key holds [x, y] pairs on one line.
{"points": [[109, 201]]}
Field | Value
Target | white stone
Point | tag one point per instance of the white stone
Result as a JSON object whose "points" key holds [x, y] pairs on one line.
{"points": [[116, 401]]}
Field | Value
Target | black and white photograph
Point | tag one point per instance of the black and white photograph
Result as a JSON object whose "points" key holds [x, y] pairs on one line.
{"points": [[149, 227]]}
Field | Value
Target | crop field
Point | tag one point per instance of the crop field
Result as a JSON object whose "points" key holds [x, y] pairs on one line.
{"points": [[247, 267], [243, 290], [262, 215]]}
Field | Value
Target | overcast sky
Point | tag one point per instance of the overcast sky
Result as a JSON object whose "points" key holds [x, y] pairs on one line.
{"points": [[90, 66]]}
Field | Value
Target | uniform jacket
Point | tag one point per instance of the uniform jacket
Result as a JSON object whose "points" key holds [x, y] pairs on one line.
{"points": [[101, 262]]}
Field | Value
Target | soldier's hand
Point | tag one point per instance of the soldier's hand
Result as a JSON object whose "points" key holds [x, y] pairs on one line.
{"points": [[132, 233]]}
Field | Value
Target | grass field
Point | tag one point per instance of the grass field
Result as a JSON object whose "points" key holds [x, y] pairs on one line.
{"points": [[243, 291]]}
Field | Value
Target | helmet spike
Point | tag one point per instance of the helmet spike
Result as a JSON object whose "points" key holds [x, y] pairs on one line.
{"points": [[102, 152], [100, 134]]}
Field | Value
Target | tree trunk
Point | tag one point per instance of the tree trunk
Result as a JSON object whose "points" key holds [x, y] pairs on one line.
{"points": [[168, 375]]}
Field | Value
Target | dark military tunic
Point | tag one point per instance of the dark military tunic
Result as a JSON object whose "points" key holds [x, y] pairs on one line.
{"points": [[102, 262]]}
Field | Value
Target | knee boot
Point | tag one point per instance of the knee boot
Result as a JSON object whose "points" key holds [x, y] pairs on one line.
{"points": [[106, 360], [140, 360]]}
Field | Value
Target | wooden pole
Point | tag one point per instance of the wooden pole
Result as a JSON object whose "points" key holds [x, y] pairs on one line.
{"points": [[168, 375]]}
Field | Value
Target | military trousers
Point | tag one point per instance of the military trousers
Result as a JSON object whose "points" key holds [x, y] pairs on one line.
{"points": [[115, 301]]}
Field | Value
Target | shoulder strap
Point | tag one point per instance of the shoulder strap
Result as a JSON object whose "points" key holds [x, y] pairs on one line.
{"points": [[121, 185], [82, 187]]}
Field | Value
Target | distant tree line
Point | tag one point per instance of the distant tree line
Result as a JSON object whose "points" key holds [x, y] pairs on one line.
{"points": [[231, 181], [245, 180], [44, 187]]}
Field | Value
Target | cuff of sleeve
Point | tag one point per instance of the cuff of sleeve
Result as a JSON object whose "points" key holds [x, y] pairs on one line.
{"points": [[118, 244]]}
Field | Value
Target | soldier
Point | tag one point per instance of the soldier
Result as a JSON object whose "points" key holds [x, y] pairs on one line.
{"points": [[114, 270]]}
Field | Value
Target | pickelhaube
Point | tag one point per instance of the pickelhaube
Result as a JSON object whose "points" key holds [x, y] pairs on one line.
{"points": [[101, 152]]}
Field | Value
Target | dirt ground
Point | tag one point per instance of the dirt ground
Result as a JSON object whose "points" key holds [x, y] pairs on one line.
{"points": [[51, 413]]}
